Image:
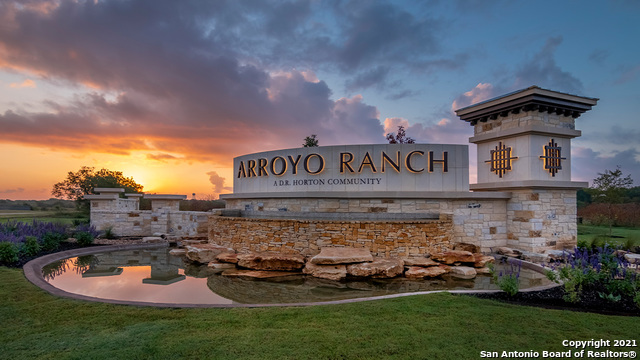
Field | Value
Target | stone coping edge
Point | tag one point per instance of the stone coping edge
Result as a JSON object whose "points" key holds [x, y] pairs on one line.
{"points": [[530, 184], [329, 221], [450, 195], [33, 273]]}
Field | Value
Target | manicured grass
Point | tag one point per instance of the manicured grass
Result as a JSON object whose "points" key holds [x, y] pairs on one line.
{"points": [[439, 326], [589, 232], [45, 216]]}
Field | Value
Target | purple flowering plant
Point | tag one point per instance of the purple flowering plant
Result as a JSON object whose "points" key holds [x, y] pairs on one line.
{"points": [[604, 270], [507, 279]]}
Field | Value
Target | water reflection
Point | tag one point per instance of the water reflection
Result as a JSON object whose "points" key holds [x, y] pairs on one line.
{"points": [[152, 275]]}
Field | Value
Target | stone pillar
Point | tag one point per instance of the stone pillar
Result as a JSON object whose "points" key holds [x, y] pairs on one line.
{"points": [[524, 146], [162, 205]]}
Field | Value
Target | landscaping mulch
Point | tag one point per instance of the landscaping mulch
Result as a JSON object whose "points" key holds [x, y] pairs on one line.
{"points": [[590, 301]]}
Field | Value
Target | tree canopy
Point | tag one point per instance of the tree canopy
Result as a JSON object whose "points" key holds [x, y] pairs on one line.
{"points": [[310, 141], [610, 188], [82, 182], [399, 138]]}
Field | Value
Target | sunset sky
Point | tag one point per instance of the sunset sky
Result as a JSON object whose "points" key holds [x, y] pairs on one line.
{"points": [[170, 91]]}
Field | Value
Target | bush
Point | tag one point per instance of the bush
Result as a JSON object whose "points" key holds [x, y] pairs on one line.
{"points": [[79, 222], [31, 247], [8, 252], [507, 281], [84, 238], [51, 240], [601, 270], [108, 233]]}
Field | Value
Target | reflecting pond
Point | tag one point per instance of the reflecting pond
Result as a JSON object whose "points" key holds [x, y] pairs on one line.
{"points": [[153, 275]]}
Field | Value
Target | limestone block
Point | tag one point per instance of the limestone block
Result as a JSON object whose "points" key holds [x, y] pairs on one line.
{"points": [[330, 272], [205, 253], [418, 272], [556, 255], [334, 255], [419, 261], [379, 268], [220, 266], [453, 256], [227, 257], [632, 258], [178, 252], [271, 261], [466, 247], [482, 260], [463, 272], [258, 274], [503, 250]]}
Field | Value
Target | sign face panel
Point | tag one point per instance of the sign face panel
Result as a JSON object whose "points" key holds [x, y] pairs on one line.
{"points": [[354, 168]]}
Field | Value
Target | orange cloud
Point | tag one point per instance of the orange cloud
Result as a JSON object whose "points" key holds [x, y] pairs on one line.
{"points": [[28, 83]]}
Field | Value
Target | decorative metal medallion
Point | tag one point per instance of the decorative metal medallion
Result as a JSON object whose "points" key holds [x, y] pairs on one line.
{"points": [[501, 159], [552, 157]]}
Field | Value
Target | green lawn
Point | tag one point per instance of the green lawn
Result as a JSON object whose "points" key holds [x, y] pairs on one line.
{"points": [[621, 235], [36, 325], [63, 217]]}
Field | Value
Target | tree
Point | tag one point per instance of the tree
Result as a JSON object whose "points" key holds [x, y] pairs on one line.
{"points": [[80, 183], [400, 138], [310, 141], [609, 188]]}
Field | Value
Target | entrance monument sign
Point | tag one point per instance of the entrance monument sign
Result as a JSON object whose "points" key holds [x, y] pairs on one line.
{"points": [[408, 167], [397, 200]]}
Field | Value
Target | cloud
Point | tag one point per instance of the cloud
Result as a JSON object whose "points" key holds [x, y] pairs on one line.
{"points": [[187, 86], [629, 73], [28, 83], [481, 92], [598, 56], [542, 70], [373, 77], [587, 163], [11, 191], [218, 183], [162, 157]]}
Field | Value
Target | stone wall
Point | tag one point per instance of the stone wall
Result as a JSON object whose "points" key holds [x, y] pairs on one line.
{"points": [[148, 222], [481, 222], [385, 239], [542, 219]]}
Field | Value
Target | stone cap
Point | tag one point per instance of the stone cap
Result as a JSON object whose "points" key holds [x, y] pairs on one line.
{"points": [[108, 190], [165, 197], [530, 184], [102, 197], [370, 195], [532, 98], [526, 130], [134, 195]]}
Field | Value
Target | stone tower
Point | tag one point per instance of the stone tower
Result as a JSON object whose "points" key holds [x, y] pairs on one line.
{"points": [[524, 147]]}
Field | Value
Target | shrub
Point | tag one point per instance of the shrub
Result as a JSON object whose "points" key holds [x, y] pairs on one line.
{"points": [[507, 281], [31, 247], [8, 252], [601, 270], [108, 233], [79, 222], [52, 240], [84, 238]]}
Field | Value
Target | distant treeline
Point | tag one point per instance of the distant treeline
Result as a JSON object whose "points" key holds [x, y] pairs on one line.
{"points": [[44, 205], [66, 205], [626, 213], [631, 195]]}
